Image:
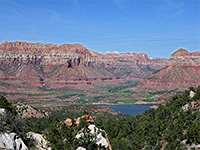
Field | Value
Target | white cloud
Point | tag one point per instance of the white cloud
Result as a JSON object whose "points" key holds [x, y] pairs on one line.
{"points": [[116, 52]]}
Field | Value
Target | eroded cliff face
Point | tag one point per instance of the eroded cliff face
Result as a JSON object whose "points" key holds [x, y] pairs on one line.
{"points": [[137, 65], [43, 54], [182, 71], [184, 58], [30, 65]]}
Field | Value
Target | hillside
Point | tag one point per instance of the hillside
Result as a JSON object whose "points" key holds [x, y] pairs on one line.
{"points": [[47, 75], [29, 67], [174, 125], [69, 134], [182, 71], [168, 127]]}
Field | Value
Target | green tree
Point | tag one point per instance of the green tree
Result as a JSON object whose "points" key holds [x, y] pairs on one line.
{"points": [[8, 106]]}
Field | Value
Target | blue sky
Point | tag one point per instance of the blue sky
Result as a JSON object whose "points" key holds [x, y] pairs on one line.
{"points": [[154, 27]]}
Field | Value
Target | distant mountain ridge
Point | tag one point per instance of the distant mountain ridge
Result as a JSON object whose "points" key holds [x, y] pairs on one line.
{"points": [[33, 65], [182, 71]]}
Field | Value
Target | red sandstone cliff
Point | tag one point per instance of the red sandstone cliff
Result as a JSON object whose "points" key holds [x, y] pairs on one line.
{"points": [[182, 71], [32, 65]]}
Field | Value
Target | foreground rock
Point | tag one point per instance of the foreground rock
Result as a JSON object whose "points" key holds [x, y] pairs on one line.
{"points": [[80, 148], [2, 111], [39, 142], [191, 146], [10, 141], [96, 135]]}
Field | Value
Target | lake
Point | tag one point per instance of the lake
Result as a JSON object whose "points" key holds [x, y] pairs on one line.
{"points": [[130, 109]]}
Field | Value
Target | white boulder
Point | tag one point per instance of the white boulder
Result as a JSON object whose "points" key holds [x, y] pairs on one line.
{"points": [[40, 142], [185, 107], [80, 148], [11, 141], [189, 147], [96, 133], [192, 94], [2, 111]]}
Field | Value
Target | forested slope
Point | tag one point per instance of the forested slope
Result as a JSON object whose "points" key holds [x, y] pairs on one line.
{"points": [[173, 126]]}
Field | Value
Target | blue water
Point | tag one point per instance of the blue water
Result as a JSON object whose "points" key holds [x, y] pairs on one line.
{"points": [[130, 109]]}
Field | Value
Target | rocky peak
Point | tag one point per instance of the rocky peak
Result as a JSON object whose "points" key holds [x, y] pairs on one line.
{"points": [[182, 71], [180, 52], [184, 52], [184, 58]]}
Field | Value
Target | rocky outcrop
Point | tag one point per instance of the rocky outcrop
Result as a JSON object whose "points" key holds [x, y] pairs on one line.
{"points": [[80, 148], [89, 132], [182, 71], [190, 146], [26, 111], [68, 121], [10, 141], [96, 135], [87, 118], [192, 105], [2, 111], [39, 142], [192, 94]]}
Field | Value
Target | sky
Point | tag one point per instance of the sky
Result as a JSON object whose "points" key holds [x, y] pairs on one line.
{"points": [[155, 27]]}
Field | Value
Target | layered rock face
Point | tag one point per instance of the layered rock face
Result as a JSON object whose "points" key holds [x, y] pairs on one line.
{"points": [[130, 64], [184, 58], [182, 71], [31, 65], [43, 54]]}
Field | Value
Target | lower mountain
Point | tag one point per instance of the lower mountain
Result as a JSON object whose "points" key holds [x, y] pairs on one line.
{"points": [[182, 72]]}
